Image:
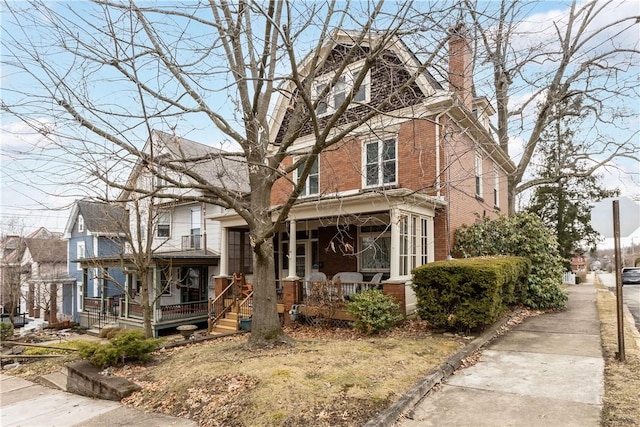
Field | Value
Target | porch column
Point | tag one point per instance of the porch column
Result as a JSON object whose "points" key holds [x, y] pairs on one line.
{"points": [[292, 249], [224, 248], [394, 268]]}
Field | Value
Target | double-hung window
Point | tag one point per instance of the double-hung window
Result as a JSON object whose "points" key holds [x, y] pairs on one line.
{"points": [[337, 94], [80, 223], [478, 172], [312, 184], [380, 163], [163, 226]]}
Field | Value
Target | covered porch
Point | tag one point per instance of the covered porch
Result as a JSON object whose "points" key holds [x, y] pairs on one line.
{"points": [[180, 285], [366, 240]]}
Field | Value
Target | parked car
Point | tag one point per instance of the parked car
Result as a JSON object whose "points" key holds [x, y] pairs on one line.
{"points": [[631, 276]]}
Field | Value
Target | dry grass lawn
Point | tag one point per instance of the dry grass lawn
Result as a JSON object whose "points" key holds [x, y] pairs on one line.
{"points": [[334, 377], [331, 377], [622, 379]]}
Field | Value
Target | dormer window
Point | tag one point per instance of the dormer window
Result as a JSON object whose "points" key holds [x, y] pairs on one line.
{"points": [[338, 93]]}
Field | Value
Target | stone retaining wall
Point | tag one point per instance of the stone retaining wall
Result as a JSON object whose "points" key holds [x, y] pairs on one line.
{"points": [[85, 379]]}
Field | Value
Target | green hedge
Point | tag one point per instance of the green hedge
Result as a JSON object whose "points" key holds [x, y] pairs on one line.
{"points": [[469, 293]]}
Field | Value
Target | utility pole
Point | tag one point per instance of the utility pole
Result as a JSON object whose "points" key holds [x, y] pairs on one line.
{"points": [[618, 265]]}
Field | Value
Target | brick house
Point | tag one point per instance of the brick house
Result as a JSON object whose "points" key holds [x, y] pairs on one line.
{"points": [[390, 196]]}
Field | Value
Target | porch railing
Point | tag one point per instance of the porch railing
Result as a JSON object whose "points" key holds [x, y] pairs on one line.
{"points": [[182, 310], [339, 290], [171, 311], [191, 242], [108, 305]]}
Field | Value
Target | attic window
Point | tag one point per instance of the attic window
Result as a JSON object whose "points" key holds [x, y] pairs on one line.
{"points": [[338, 93], [80, 223]]}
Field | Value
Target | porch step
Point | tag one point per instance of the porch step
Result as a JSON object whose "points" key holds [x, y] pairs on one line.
{"points": [[227, 324], [93, 331]]}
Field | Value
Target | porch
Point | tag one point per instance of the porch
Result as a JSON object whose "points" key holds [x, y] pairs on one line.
{"points": [[300, 297], [118, 311]]}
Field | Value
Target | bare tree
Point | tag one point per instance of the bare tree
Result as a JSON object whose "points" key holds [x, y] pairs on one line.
{"points": [[588, 53], [11, 249], [179, 62]]}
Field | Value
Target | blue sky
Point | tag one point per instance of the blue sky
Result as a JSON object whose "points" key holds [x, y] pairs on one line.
{"points": [[22, 180]]}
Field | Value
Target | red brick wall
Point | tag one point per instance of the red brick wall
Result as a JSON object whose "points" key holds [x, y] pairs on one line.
{"points": [[335, 261], [460, 188], [341, 170]]}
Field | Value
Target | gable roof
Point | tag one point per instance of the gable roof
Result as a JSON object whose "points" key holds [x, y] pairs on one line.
{"points": [[397, 59], [99, 218], [216, 166], [47, 250]]}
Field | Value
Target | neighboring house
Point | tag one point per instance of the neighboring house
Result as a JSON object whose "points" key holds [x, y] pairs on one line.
{"points": [[390, 196], [11, 250], [94, 229], [579, 264], [43, 273], [184, 249]]}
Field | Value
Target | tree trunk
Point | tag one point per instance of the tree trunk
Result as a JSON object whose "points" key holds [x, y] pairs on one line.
{"points": [[266, 330], [146, 307], [511, 191]]}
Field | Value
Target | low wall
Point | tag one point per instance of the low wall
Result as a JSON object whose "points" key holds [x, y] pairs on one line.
{"points": [[85, 379]]}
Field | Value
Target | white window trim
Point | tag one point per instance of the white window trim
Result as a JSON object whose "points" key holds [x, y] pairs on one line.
{"points": [[380, 182], [413, 232], [159, 223], [306, 192], [496, 187], [80, 224], [349, 79], [80, 253], [478, 175]]}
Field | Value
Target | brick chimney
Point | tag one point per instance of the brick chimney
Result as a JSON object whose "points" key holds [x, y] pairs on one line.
{"points": [[461, 65]]}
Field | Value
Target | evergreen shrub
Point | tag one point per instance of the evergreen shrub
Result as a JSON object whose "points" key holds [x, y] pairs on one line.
{"points": [[374, 311], [469, 294], [126, 345], [525, 235]]}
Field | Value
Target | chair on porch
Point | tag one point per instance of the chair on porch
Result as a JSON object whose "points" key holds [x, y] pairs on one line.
{"points": [[375, 281], [349, 280]]}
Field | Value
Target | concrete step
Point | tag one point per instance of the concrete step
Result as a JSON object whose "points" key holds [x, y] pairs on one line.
{"points": [[56, 380]]}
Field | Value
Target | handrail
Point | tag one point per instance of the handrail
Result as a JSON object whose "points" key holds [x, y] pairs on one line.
{"points": [[247, 300], [224, 309]]}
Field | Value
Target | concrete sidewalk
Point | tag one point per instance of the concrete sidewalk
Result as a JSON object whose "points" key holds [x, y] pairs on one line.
{"points": [[547, 371], [27, 404]]}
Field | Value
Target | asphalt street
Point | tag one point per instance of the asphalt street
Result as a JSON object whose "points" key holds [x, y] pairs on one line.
{"points": [[630, 295]]}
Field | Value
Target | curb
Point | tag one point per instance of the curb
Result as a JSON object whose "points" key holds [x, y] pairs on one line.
{"points": [[409, 400]]}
